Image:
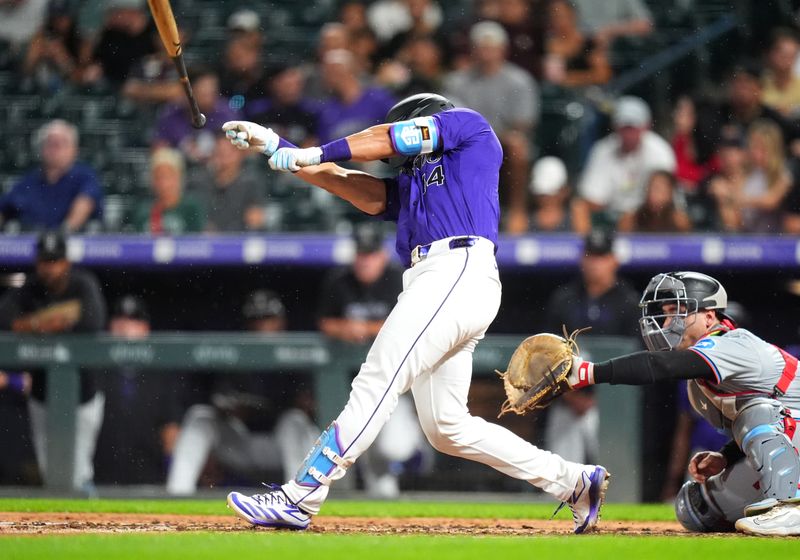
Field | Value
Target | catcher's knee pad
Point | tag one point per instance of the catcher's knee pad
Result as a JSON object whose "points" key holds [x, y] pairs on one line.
{"points": [[324, 463], [759, 431], [696, 512]]}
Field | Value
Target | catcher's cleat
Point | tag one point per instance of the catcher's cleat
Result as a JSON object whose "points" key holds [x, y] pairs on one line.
{"points": [[781, 520], [271, 509], [587, 498]]}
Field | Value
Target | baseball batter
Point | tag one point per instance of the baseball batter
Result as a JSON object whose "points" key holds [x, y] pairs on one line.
{"points": [[445, 203], [738, 382]]}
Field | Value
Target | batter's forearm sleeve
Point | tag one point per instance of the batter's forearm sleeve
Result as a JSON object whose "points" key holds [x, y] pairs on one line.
{"points": [[644, 368]]}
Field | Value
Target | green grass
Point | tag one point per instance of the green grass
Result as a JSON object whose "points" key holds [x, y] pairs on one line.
{"points": [[619, 512], [272, 545]]}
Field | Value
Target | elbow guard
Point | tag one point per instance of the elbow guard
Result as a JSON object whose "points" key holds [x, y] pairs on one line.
{"points": [[415, 136]]}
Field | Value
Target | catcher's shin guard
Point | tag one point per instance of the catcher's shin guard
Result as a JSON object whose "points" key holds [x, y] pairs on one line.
{"points": [[759, 431], [324, 463]]}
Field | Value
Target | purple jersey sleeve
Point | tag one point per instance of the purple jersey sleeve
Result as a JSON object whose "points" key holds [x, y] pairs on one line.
{"points": [[458, 127]]}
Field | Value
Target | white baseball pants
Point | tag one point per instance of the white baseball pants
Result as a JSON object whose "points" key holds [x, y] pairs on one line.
{"points": [[449, 299]]}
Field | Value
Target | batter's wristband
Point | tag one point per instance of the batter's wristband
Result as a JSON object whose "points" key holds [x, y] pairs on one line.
{"points": [[16, 382], [338, 150], [284, 144]]}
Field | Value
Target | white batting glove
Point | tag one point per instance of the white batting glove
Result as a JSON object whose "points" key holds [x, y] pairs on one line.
{"points": [[582, 374], [247, 135], [294, 159]]}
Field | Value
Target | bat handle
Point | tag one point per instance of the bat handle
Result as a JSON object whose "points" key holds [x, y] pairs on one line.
{"points": [[198, 118]]}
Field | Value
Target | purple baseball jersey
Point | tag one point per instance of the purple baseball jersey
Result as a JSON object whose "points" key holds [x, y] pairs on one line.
{"points": [[452, 191]]}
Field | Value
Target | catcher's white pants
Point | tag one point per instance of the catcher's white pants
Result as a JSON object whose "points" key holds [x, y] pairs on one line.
{"points": [[88, 421], [426, 344]]}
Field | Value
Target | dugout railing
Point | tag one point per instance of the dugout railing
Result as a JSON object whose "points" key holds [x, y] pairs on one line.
{"points": [[331, 364]]}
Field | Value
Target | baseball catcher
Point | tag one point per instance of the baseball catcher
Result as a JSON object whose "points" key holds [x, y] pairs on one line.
{"points": [[741, 384]]}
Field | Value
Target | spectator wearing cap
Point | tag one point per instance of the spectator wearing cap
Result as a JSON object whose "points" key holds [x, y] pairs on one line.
{"points": [[249, 425], [59, 298], [550, 189], [229, 191], [509, 99], [153, 80], [355, 300], [241, 68], [619, 166], [170, 211], [599, 298], [174, 124], [126, 38], [660, 212], [62, 193], [143, 408]]}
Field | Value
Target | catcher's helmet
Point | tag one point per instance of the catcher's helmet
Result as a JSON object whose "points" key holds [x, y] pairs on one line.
{"points": [[419, 105], [685, 293]]}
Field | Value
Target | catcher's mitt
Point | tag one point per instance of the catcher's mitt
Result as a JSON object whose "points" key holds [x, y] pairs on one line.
{"points": [[538, 371]]}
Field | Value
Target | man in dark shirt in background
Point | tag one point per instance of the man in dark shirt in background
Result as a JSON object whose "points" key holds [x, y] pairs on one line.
{"points": [[60, 299]]}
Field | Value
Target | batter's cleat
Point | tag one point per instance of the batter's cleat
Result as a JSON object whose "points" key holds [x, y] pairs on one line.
{"points": [[587, 498], [782, 520], [271, 509]]}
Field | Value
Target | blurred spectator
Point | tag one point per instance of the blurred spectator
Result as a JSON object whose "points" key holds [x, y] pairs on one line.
{"points": [[781, 87], [351, 107], [20, 20], [620, 165], [525, 28], [364, 47], [154, 78], [251, 424], [791, 211], [241, 69], [174, 125], [229, 191], [420, 26], [584, 59], [170, 212], [509, 99], [419, 68], [142, 412], [599, 299], [551, 192], [689, 171], [741, 108], [125, 39], [387, 18], [62, 193], [287, 110], [756, 206], [59, 298], [659, 213], [612, 19], [354, 302], [54, 54], [353, 15], [333, 36], [712, 198]]}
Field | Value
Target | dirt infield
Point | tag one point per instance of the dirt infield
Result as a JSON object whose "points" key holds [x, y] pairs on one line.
{"points": [[15, 524]]}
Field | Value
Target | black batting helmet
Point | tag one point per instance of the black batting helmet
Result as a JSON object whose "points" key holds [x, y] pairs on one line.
{"points": [[419, 105]]}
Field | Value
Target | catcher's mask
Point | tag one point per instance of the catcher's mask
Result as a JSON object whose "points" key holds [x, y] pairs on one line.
{"points": [[419, 105], [669, 299]]}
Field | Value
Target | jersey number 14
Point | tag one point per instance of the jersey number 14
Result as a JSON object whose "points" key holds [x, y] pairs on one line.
{"points": [[435, 177]]}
